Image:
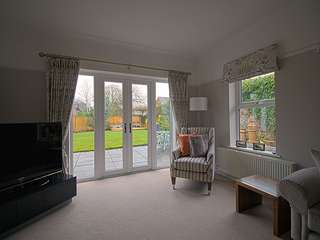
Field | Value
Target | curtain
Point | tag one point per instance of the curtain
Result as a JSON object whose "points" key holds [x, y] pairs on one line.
{"points": [[260, 62], [178, 90], [62, 75]]}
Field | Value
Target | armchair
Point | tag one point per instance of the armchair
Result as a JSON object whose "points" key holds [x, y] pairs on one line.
{"points": [[195, 168]]}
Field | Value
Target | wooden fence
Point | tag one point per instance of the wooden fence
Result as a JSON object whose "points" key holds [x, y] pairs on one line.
{"points": [[81, 123], [84, 123]]}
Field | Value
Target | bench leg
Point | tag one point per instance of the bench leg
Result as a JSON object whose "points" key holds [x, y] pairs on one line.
{"points": [[246, 198], [281, 216]]}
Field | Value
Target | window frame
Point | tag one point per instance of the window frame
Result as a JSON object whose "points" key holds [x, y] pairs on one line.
{"points": [[250, 104]]}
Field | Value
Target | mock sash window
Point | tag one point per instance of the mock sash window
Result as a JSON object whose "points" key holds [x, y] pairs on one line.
{"points": [[260, 62]]}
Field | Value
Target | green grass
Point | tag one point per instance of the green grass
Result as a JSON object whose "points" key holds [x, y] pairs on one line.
{"points": [[84, 141]]}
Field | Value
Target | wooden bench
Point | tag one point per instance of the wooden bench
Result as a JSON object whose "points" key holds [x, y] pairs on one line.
{"points": [[249, 193]]}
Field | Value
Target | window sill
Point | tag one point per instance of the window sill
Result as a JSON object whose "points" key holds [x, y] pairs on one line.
{"points": [[250, 150]]}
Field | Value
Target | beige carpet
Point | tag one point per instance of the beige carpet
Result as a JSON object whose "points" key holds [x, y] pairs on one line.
{"points": [[144, 206]]}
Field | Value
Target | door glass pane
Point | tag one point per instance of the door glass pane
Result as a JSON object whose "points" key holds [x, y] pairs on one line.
{"points": [[113, 115], [139, 125], [83, 128], [162, 125]]}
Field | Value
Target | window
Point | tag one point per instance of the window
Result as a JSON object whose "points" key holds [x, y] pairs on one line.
{"points": [[256, 111]]}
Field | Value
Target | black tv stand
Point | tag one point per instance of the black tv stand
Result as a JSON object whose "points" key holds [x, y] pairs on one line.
{"points": [[20, 204]]}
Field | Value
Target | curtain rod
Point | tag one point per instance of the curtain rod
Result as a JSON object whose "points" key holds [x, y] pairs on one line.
{"points": [[43, 54]]}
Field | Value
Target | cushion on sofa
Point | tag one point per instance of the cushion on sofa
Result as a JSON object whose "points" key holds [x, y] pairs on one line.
{"points": [[193, 164], [314, 218]]}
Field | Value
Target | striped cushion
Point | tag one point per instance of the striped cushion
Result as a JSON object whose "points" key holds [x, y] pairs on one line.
{"points": [[194, 164]]}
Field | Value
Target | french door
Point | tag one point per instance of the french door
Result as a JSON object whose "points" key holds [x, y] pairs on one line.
{"points": [[131, 125], [125, 143], [120, 124]]}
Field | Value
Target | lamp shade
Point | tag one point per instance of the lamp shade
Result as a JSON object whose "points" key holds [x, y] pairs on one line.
{"points": [[198, 104]]}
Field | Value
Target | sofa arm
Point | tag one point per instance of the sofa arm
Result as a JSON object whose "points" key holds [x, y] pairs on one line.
{"points": [[176, 154], [301, 189]]}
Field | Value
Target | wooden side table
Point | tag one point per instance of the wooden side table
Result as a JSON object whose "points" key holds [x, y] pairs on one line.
{"points": [[249, 193]]}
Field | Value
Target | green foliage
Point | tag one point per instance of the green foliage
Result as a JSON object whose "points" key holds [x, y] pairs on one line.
{"points": [[260, 88]]}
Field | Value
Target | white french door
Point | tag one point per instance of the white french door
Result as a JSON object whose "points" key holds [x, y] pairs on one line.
{"points": [[131, 126], [124, 120]]}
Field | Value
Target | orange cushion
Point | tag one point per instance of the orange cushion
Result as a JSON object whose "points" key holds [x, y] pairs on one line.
{"points": [[184, 144]]}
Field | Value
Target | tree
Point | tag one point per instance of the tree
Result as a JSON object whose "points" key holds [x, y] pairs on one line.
{"points": [[113, 101], [139, 102], [84, 101], [85, 96]]}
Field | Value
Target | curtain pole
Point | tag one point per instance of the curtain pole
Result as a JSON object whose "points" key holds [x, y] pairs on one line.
{"points": [[43, 54]]}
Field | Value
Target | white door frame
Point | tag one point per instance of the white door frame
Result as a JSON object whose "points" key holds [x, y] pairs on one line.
{"points": [[100, 77]]}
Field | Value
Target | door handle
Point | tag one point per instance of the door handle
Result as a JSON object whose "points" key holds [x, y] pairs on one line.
{"points": [[130, 128], [125, 127]]}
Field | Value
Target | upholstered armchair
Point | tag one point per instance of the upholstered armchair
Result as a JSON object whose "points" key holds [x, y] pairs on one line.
{"points": [[195, 168]]}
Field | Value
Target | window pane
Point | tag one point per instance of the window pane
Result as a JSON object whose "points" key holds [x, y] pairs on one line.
{"points": [[113, 132], [258, 88], [163, 124], [140, 127], [83, 128], [258, 125]]}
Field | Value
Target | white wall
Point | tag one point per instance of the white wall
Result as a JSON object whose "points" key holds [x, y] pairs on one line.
{"points": [[22, 71], [295, 28], [297, 107], [22, 95]]}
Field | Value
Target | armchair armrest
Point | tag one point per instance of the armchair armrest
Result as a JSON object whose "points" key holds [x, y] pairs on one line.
{"points": [[211, 153], [175, 154], [301, 189]]}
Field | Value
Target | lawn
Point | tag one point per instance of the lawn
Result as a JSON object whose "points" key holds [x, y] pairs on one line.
{"points": [[84, 141]]}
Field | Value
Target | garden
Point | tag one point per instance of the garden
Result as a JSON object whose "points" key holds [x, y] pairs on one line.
{"points": [[83, 117], [84, 141]]}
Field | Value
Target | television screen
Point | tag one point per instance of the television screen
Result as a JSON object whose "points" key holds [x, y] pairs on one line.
{"points": [[29, 150]]}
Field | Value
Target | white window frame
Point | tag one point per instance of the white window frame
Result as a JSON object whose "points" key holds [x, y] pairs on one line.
{"points": [[240, 105]]}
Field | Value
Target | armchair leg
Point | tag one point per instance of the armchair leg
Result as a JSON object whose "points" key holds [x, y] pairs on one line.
{"points": [[173, 180], [209, 187]]}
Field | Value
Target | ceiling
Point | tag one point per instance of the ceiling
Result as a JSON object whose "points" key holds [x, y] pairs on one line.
{"points": [[183, 27]]}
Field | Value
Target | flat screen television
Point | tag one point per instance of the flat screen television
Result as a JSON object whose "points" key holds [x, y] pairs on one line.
{"points": [[29, 151]]}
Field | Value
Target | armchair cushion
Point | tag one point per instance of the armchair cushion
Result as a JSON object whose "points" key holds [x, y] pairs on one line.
{"points": [[198, 145], [193, 164], [301, 189], [314, 218], [184, 144]]}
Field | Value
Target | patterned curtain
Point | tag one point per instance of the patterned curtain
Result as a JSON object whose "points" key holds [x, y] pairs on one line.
{"points": [[262, 61], [62, 78], [178, 90]]}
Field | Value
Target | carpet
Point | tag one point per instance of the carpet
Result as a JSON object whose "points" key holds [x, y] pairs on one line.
{"points": [[143, 206]]}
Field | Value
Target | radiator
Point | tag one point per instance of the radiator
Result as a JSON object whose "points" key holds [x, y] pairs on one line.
{"points": [[238, 164]]}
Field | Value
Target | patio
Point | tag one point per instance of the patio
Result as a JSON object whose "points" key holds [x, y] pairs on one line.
{"points": [[83, 163]]}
